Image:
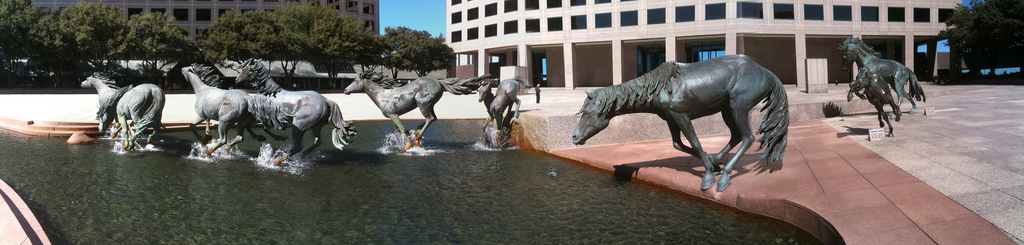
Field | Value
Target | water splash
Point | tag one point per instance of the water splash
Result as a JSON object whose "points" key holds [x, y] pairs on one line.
{"points": [[198, 152], [489, 141], [291, 165], [395, 141], [119, 148]]}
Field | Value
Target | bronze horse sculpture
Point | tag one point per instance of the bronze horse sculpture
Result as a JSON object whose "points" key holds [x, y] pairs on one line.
{"points": [[308, 111], [679, 93], [142, 104], [877, 92], [423, 93], [498, 104], [895, 74], [229, 107]]}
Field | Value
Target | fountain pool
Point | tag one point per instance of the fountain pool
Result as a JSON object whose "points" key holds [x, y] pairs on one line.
{"points": [[452, 191]]}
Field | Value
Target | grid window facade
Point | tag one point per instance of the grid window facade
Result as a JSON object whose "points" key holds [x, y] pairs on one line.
{"points": [[603, 20], [491, 30], [511, 5], [578, 22], [554, 4], [922, 15], [472, 14], [814, 12], [897, 14], [842, 13], [555, 24], [749, 10], [714, 11], [655, 16], [783, 11], [685, 13], [869, 13], [511, 27], [629, 18], [456, 36], [532, 25]]}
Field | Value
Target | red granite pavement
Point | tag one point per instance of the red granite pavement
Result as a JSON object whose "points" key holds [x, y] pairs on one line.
{"points": [[827, 184]]}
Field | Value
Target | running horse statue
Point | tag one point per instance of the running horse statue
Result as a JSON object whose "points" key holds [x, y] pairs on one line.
{"points": [[423, 93], [308, 111], [895, 74], [877, 92], [143, 104], [680, 93], [232, 108], [497, 105]]}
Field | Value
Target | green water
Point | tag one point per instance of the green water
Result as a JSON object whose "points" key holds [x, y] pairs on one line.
{"points": [[452, 191]]}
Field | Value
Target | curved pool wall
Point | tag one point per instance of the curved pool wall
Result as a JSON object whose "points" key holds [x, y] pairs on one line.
{"points": [[453, 191]]}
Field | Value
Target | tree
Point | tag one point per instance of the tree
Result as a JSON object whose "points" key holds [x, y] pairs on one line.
{"points": [[373, 56], [416, 51], [97, 32], [16, 20], [988, 28], [338, 41], [296, 24], [158, 42], [50, 45], [238, 37]]}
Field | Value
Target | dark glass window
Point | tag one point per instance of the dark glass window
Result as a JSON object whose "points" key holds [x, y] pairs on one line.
{"points": [[491, 30], [454, 2], [532, 4], [842, 13], [602, 20], [472, 33], [869, 13], [577, 2], [554, 4], [783, 11], [714, 11], [220, 12], [203, 15], [602, 1], [897, 14], [626, 0], [578, 22], [511, 27], [472, 14], [814, 12], [368, 8], [180, 14], [684, 13], [134, 11], [922, 15], [491, 9], [456, 36], [456, 17], [627, 18], [944, 14], [511, 5], [555, 24], [750, 10], [655, 16], [533, 25]]}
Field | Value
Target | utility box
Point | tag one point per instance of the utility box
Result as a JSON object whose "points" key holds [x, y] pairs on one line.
{"points": [[817, 76]]}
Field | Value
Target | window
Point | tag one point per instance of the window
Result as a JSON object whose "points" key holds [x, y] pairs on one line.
{"points": [[749, 10], [602, 20], [351, 6], [369, 25], [472, 14], [221, 12], [696, 52], [714, 11], [627, 18], [134, 11], [554, 4], [555, 24], [456, 2], [456, 36], [532, 4], [491, 30], [944, 14], [491, 9], [532, 25], [814, 12], [511, 5], [511, 27], [472, 33], [655, 16], [602, 1], [842, 13], [869, 13], [368, 8], [578, 22], [577, 2], [783, 11], [203, 15], [157, 10], [180, 14], [897, 14], [456, 17], [922, 15], [685, 13]]}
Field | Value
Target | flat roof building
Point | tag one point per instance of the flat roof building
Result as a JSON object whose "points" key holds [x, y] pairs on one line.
{"points": [[595, 43], [195, 15]]}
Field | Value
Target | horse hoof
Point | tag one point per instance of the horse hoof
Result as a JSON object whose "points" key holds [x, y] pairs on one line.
{"points": [[723, 182], [277, 162], [209, 152], [707, 182]]}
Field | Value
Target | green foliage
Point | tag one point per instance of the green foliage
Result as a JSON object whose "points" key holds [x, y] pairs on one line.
{"points": [[339, 40], [16, 20], [238, 37], [989, 27], [158, 42], [97, 32], [416, 51]]}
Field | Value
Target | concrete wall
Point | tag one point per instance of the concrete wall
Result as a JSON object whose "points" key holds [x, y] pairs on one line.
{"points": [[593, 65], [774, 53], [828, 48]]}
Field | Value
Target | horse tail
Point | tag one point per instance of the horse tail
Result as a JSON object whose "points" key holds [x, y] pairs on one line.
{"points": [[522, 81], [343, 131], [463, 86], [270, 114], [154, 113], [915, 89], [775, 126]]}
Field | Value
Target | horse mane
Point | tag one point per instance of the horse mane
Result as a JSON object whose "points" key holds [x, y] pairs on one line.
{"points": [[862, 48], [640, 90], [264, 84], [270, 114], [461, 86], [109, 101], [208, 75]]}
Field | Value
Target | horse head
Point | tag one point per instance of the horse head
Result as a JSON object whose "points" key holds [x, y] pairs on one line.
{"points": [[594, 117], [360, 82], [848, 55], [484, 91], [249, 70]]}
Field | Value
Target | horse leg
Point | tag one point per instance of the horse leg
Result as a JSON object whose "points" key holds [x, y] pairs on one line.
{"points": [[117, 129], [125, 131], [156, 128], [401, 130], [315, 131], [428, 113], [734, 140], [516, 100], [296, 145], [899, 81], [881, 124], [247, 125], [193, 128], [222, 136], [741, 125], [686, 127]]}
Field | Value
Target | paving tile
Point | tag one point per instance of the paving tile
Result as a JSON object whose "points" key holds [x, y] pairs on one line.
{"points": [[830, 204], [835, 185], [989, 202], [833, 171], [973, 230], [1011, 221], [903, 236], [872, 220], [936, 210], [1015, 191], [887, 178], [950, 182]]}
